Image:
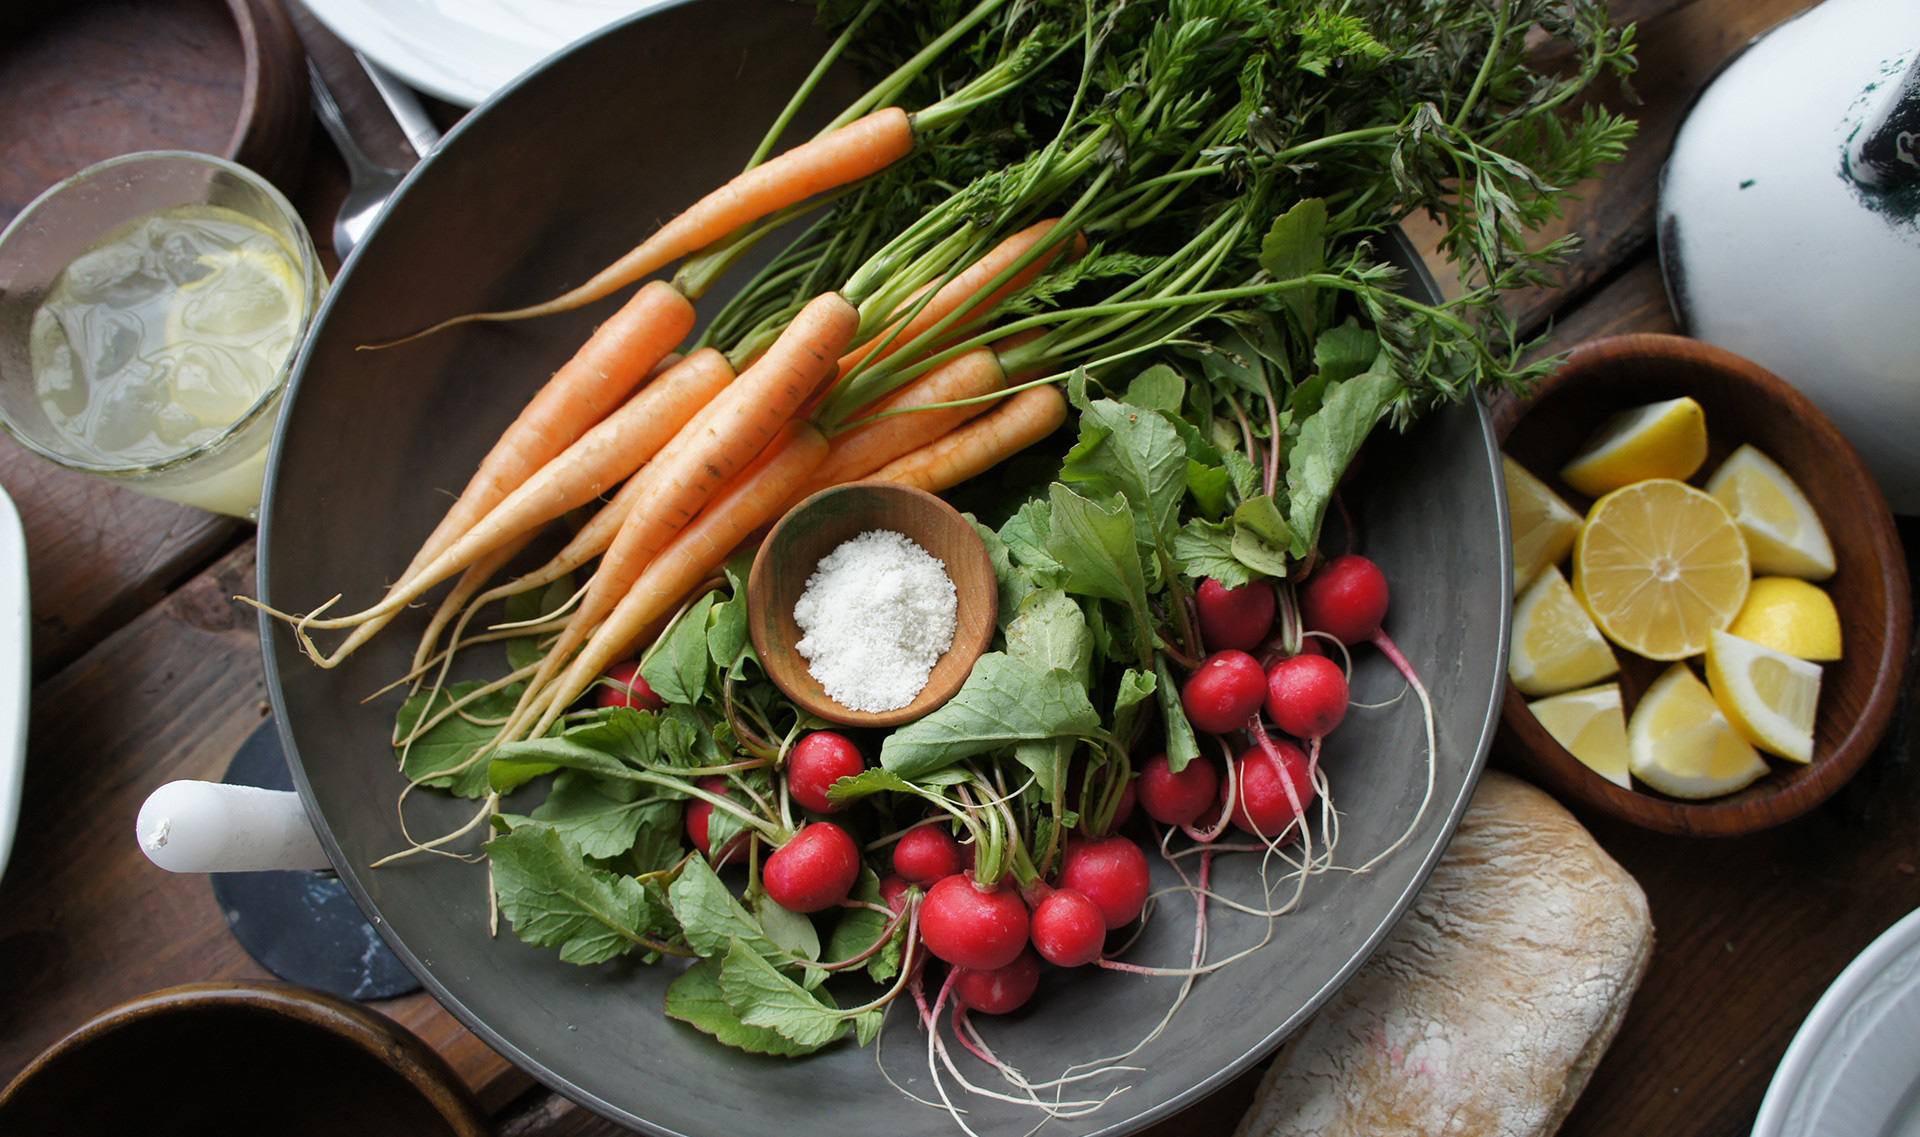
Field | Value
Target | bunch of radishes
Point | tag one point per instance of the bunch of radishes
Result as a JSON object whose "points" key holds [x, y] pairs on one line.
{"points": [[1267, 666]]}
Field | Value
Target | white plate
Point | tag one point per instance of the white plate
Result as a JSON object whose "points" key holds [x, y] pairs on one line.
{"points": [[14, 670], [1854, 1068], [465, 50]]}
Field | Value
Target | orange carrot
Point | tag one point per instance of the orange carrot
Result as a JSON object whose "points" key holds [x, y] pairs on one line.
{"points": [[840, 157], [1021, 421], [864, 449], [599, 459], [726, 435], [753, 499], [597, 379], [963, 287]]}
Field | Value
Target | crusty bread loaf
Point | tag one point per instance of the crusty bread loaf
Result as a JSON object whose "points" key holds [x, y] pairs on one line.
{"points": [[1486, 1009]]}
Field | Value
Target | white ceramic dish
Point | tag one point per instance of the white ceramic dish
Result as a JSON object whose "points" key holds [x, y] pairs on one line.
{"points": [[1853, 1070], [462, 51], [14, 670]]}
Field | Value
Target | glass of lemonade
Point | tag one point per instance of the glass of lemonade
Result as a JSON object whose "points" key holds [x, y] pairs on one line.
{"points": [[150, 310]]}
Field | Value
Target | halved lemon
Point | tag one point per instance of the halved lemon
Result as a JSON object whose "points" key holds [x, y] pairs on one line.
{"points": [[1792, 615], [1769, 696], [1543, 525], [1660, 440], [1681, 744], [1784, 534], [1555, 644], [1592, 725], [1660, 566]]}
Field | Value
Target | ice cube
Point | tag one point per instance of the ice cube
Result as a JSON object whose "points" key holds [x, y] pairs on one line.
{"points": [[214, 384], [123, 422], [117, 275]]}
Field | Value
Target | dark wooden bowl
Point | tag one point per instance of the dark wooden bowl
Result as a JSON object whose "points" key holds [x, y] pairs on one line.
{"points": [[83, 82], [810, 531], [258, 1057], [1744, 403]]}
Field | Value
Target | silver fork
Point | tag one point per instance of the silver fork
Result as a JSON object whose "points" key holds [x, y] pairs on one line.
{"points": [[371, 183]]}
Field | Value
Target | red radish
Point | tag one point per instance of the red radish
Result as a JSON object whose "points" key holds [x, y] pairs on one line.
{"points": [[623, 687], [816, 762], [1224, 691], [926, 854], [1306, 695], [967, 927], [699, 819], [1177, 799], [1234, 617], [1262, 802], [1110, 871], [1068, 928], [893, 891], [814, 870], [1346, 598], [999, 990]]}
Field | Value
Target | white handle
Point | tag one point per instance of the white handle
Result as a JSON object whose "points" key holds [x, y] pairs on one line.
{"points": [[215, 827]]}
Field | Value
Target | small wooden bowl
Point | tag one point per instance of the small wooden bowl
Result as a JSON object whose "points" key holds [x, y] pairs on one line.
{"points": [[241, 1057], [1744, 403], [813, 529]]}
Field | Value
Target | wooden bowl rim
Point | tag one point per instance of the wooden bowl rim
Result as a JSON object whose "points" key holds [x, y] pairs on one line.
{"points": [[1762, 805], [761, 625], [379, 1037]]}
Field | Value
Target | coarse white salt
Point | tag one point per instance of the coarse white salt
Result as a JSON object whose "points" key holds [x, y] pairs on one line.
{"points": [[878, 612]]}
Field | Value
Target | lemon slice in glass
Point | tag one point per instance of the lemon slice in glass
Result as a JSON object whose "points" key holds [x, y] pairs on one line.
{"points": [[1592, 725], [1660, 566], [1555, 645], [1543, 525], [1792, 615], [1784, 534], [1660, 440], [1769, 696], [1681, 744]]}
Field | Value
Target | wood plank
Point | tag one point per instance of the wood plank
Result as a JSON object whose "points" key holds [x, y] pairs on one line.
{"points": [[86, 921], [98, 554]]}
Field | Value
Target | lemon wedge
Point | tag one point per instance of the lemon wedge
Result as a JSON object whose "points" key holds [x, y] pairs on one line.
{"points": [[247, 295], [1681, 744], [1660, 566], [1555, 645], [1784, 534], [1769, 696], [1792, 615], [1660, 440], [1543, 525], [1592, 725]]}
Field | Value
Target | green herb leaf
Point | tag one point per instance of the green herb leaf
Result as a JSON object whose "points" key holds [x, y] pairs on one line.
{"points": [[1329, 440], [860, 928], [677, 669], [1204, 549], [1159, 387], [709, 915], [518, 763], [553, 899], [1294, 247], [792, 931], [1050, 631], [1097, 545], [1003, 702], [443, 756], [766, 998], [601, 816], [1025, 535], [1134, 452], [728, 641], [696, 999], [1182, 747], [1261, 538]]}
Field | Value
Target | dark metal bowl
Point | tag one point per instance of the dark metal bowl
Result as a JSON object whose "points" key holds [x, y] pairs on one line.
{"points": [[555, 176]]}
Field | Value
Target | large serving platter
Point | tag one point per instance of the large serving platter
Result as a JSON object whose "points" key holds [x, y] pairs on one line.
{"points": [[565, 168]]}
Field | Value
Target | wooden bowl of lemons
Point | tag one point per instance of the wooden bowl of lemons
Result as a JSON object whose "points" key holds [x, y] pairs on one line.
{"points": [[1712, 609]]}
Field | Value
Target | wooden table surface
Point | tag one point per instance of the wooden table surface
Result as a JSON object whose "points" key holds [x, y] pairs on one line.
{"points": [[144, 671]]}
